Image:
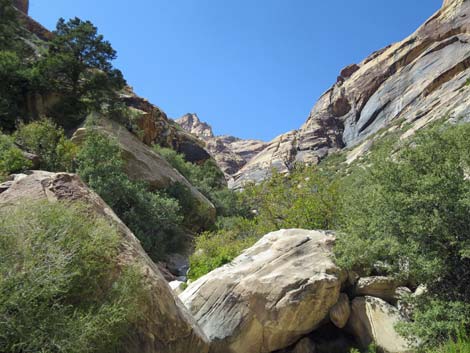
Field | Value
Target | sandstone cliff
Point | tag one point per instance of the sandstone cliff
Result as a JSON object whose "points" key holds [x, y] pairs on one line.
{"points": [[231, 153], [408, 84]]}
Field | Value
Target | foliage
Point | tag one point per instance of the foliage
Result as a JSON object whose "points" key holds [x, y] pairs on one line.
{"points": [[305, 199], [154, 218], [14, 82], [8, 25], [61, 286], [435, 321], [11, 157], [208, 179], [460, 344], [47, 140], [79, 66], [418, 196], [215, 249]]}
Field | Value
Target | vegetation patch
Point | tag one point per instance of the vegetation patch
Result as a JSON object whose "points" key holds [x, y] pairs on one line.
{"points": [[61, 287]]}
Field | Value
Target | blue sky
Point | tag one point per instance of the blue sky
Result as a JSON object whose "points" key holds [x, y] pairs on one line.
{"points": [[251, 68]]}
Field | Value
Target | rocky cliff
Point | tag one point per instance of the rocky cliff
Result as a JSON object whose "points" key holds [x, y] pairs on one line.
{"points": [[22, 5], [231, 153], [408, 84]]}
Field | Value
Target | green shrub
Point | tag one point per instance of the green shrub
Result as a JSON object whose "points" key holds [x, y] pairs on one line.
{"points": [[11, 157], [215, 249], [461, 344], [13, 84], [208, 179], [435, 321], [47, 140], [418, 196], [153, 217], [61, 286], [304, 199]]}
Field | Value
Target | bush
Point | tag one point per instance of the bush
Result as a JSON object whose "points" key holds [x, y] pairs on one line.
{"points": [[13, 84], [215, 249], [209, 180], [11, 157], [153, 217], [418, 196], [61, 286], [304, 199], [46, 140]]}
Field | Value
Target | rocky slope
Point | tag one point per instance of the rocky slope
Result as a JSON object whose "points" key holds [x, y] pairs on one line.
{"points": [[231, 153], [167, 327], [285, 295], [404, 86]]}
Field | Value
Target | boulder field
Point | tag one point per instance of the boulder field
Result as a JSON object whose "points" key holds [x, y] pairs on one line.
{"points": [[284, 293]]}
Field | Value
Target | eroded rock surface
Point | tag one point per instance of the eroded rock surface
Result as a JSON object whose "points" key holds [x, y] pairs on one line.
{"points": [[155, 128], [231, 153], [167, 327], [143, 164], [404, 86], [277, 291]]}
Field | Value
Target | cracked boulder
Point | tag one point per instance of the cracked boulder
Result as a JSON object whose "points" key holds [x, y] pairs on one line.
{"points": [[272, 295]]}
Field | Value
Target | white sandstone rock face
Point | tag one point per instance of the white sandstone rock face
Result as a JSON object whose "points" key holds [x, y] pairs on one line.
{"points": [[269, 297], [373, 320], [403, 87]]}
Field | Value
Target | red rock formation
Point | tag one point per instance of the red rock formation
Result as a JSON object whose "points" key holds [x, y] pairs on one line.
{"points": [[22, 5]]}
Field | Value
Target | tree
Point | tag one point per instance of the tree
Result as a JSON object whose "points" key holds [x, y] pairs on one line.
{"points": [[154, 218], [79, 66], [410, 212], [8, 25]]}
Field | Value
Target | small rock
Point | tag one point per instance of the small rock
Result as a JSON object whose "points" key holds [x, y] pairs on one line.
{"points": [[339, 313], [377, 286]]}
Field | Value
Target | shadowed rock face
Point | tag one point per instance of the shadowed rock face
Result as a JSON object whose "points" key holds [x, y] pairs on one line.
{"points": [[166, 326], [156, 128], [415, 81], [230, 153]]}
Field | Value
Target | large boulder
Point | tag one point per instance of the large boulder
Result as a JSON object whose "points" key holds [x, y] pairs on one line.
{"points": [[270, 296], [167, 327], [373, 320], [144, 164]]}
